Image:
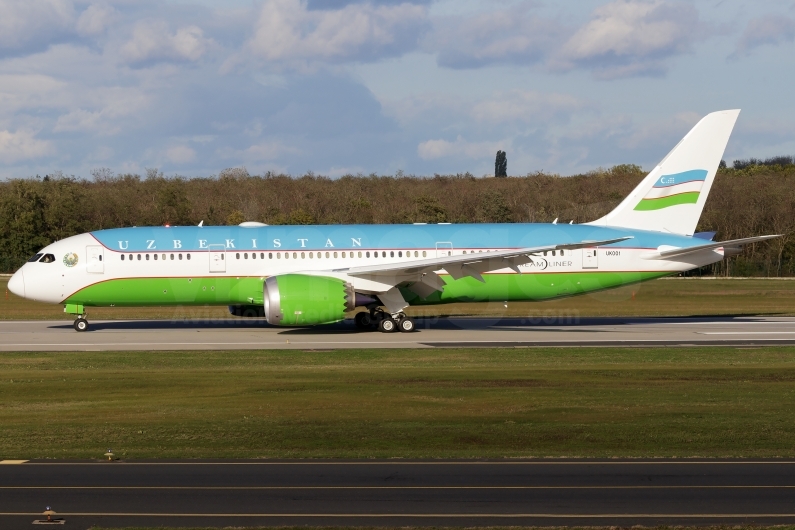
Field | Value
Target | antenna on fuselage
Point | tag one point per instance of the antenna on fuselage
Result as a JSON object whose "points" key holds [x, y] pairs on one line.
{"points": [[201, 223], [555, 221]]}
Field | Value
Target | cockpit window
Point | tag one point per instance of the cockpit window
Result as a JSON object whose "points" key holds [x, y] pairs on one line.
{"points": [[48, 258], [34, 258]]}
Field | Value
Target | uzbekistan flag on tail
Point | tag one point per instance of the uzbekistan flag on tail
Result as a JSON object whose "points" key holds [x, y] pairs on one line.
{"points": [[670, 190]]}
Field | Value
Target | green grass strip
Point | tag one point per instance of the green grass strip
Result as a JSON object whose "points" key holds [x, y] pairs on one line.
{"points": [[468, 403]]}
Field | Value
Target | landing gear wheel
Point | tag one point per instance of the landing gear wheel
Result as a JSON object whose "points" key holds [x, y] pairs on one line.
{"points": [[387, 325], [363, 320], [406, 325], [81, 324]]}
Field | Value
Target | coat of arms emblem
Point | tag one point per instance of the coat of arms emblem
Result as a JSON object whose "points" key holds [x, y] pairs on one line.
{"points": [[70, 260]]}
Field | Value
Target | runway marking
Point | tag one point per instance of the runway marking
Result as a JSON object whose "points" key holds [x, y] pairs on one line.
{"points": [[456, 515], [713, 323], [12, 462], [745, 332], [422, 463], [201, 343], [267, 488]]}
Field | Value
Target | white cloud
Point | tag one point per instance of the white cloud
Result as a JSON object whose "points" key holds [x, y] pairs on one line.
{"points": [[180, 154], [106, 105], [264, 151], [433, 149], [288, 31], [22, 145], [769, 29], [95, 19], [525, 106], [518, 106], [152, 41], [28, 91], [631, 37], [514, 35], [32, 25], [657, 132]]}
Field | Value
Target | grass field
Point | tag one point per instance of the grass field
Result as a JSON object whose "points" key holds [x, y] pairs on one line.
{"points": [[667, 297], [596, 402]]}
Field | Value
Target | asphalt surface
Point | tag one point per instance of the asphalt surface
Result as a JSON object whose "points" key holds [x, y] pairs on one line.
{"points": [[431, 333], [400, 493]]}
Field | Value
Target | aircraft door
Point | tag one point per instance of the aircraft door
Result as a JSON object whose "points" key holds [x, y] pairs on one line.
{"points": [[217, 255], [589, 258], [95, 259], [444, 248]]}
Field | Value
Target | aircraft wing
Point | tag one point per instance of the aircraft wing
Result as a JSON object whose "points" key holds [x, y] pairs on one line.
{"points": [[473, 265], [677, 252]]}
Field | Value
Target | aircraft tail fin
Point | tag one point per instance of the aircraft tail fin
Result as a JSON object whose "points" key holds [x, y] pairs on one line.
{"points": [[672, 196]]}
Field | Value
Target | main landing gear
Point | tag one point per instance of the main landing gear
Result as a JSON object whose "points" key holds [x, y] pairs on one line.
{"points": [[384, 322]]}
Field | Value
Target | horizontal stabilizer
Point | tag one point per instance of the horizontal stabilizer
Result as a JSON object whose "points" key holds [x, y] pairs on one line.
{"points": [[678, 252]]}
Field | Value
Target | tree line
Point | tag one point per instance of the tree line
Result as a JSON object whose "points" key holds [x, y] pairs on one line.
{"points": [[754, 199]]}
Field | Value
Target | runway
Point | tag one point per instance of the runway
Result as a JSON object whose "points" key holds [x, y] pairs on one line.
{"points": [[400, 493], [431, 333]]}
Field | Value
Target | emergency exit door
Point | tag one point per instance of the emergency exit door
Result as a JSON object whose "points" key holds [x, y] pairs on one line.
{"points": [[444, 248], [95, 259], [217, 255], [590, 258]]}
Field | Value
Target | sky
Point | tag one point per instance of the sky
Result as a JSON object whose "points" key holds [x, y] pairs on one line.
{"points": [[339, 87]]}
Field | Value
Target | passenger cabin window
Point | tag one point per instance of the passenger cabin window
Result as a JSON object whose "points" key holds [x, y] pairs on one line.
{"points": [[35, 258], [122, 257]]}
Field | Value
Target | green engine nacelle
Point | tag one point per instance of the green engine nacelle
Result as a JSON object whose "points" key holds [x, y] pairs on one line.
{"points": [[303, 300]]}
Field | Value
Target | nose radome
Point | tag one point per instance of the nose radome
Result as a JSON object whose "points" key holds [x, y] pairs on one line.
{"points": [[17, 284]]}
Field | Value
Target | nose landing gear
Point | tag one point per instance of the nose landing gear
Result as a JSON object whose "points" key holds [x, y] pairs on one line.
{"points": [[79, 311]]}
